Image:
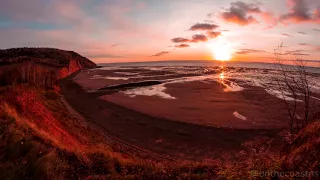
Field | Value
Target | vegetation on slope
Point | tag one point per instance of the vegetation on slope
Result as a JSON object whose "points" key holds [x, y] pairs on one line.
{"points": [[40, 139], [47, 56], [39, 66]]}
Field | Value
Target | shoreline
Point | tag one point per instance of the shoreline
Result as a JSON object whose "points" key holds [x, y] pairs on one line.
{"points": [[110, 64], [177, 140]]}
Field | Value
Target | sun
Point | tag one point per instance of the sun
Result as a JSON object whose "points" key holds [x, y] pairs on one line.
{"points": [[222, 52]]}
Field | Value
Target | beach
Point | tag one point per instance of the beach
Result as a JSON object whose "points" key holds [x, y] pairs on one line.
{"points": [[241, 98]]}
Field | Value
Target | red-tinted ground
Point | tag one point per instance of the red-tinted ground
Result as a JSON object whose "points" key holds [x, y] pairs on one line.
{"points": [[197, 102], [207, 104], [161, 136]]}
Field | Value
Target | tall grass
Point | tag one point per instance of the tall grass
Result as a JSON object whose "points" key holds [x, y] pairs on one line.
{"points": [[40, 139]]}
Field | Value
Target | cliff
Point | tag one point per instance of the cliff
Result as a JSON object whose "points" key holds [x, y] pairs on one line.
{"points": [[40, 66]]}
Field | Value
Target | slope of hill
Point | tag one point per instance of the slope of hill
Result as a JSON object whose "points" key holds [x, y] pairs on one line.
{"points": [[47, 56], [40, 66]]}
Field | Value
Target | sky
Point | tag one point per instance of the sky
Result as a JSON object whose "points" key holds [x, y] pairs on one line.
{"points": [[153, 30]]}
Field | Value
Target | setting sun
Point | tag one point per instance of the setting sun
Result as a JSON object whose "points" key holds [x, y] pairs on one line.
{"points": [[220, 49], [222, 52]]}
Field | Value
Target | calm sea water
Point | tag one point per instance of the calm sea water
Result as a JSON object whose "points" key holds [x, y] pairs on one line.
{"points": [[313, 67]]}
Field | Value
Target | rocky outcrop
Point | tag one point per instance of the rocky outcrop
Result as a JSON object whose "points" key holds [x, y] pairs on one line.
{"points": [[73, 66], [41, 66]]}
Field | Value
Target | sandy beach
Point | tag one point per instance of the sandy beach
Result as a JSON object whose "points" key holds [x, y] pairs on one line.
{"points": [[179, 137], [186, 112], [211, 96], [207, 104]]}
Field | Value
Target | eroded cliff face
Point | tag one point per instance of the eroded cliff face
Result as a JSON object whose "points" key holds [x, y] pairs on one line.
{"points": [[73, 66], [39, 66]]}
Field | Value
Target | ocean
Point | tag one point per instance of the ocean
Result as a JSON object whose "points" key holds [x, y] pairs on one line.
{"points": [[311, 66], [234, 76], [197, 91]]}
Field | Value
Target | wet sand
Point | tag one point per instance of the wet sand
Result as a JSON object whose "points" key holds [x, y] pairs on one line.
{"points": [[207, 104], [198, 102], [161, 136], [176, 119], [98, 78]]}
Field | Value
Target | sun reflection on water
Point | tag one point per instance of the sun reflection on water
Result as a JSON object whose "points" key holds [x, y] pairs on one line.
{"points": [[222, 71], [222, 75]]}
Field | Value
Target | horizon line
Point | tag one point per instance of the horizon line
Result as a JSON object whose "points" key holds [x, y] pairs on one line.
{"points": [[150, 61]]}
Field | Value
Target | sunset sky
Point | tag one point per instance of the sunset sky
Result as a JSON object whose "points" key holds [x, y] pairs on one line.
{"points": [[141, 30]]}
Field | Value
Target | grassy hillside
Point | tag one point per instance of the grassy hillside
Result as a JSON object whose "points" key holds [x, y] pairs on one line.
{"points": [[47, 56], [39, 66], [40, 139]]}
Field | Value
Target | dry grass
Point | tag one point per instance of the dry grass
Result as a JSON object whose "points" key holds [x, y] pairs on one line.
{"points": [[256, 155], [304, 152], [60, 139], [34, 115], [41, 139], [298, 155]]}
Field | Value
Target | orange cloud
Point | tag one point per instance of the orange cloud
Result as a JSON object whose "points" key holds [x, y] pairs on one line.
{"points": [[213, 34], [180, 40], [239, 12], [182, 45], [235, 18], [199, 38], [300, 13], [249, 51], [161, 53], [203, 27], [195, 38]]}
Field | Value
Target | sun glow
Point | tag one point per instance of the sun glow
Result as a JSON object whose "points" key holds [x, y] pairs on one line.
{"points": [[221, 50], [222, 53]]}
